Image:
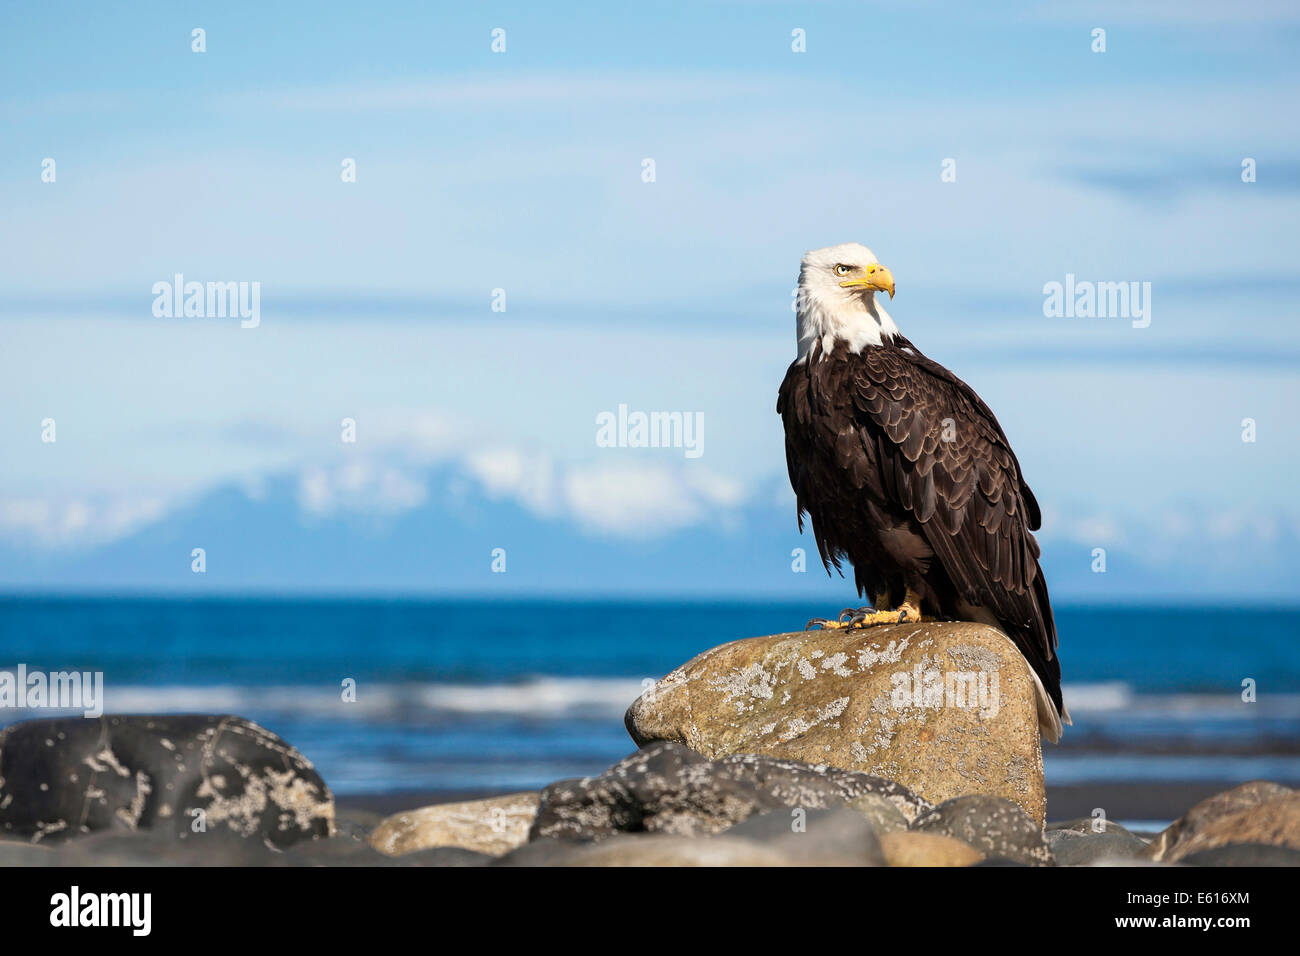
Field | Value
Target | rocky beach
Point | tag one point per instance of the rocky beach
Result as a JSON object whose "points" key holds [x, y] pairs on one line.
{"points": [[909, 745]]}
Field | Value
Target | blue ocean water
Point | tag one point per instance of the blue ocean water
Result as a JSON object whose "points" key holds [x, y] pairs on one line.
{"points": [[470, 695]]}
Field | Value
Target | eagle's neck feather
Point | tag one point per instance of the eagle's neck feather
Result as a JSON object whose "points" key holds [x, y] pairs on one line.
{"points": [[859, 322]]}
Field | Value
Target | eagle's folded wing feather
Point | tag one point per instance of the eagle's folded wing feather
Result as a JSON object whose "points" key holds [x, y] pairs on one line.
{"points": [[945, 459]]}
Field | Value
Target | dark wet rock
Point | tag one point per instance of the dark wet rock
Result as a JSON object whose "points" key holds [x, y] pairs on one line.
{"points": [[72, 777], [995, 827], [833, 837], [797, 784], [1255, 812], [668, 788], [1244, 854]]}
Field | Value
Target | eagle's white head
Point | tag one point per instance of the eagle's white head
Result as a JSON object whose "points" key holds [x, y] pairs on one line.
{"points": [[837, 298]]}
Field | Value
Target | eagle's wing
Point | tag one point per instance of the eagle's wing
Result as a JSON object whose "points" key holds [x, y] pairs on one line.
{"points": [[944, 458], [809, 414]]}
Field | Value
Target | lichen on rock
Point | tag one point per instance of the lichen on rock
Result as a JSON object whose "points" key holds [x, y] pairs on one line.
{"points": [[945, 709]]}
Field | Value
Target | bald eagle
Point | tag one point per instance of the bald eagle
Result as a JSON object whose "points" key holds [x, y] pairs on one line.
{"points": [[906, 473]]}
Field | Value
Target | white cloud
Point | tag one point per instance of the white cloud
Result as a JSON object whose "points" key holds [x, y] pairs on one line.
{"points": [[715, 489], [362, 487], [1172, 530], [1243, 525], [509, 473], [626, 499], [643, 500], [414, 434], [75, 522]]}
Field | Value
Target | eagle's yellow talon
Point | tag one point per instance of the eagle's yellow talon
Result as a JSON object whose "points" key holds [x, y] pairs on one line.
{"points": [[864, 617], [826, 624]]}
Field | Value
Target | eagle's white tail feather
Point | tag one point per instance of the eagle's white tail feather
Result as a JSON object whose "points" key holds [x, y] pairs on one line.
{"points": [[1050, 724]]}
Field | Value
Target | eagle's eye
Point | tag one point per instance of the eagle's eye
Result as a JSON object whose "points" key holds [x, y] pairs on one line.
{"points": [[841, 270]]}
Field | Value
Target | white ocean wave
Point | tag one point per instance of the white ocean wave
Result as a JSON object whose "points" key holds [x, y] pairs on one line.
{"points": [[542, 697], [594, 698], [1117, 697]]}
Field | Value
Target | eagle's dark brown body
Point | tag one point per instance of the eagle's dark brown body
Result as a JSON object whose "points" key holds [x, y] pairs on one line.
{"points": [[905, 472]]}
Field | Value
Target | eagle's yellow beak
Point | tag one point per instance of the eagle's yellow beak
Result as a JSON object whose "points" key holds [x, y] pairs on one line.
{"points": [[874, 277]]}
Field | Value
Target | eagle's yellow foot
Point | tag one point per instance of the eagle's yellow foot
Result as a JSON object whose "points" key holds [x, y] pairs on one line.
{"points": [[827, 624], [850, 618]]}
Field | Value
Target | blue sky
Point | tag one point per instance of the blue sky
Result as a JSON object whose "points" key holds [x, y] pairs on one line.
{"points": [[522, 171]]}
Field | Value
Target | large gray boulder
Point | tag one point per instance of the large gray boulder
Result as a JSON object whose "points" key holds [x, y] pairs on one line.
{"points": [[997, 828], [945, 709], [493, 826], [668, 788], [1255, 812], [785, 837], [180, 775]]}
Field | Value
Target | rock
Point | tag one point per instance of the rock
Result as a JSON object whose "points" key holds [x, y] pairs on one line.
{"points": [[355, 826], [13, 853], [1087, 825], [1071, 848], [443, 856], [835, 837], [217, 847], [647, 849], [1087, 840], [1275, 823], [796, 784], [879, 811], [1234, 816], [846, 700], [668, 788], [71, 777], [494, 826], [1126, 861], [1244, 854], [917, 848], [995, 827], [543, 852], [336, 851]]}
